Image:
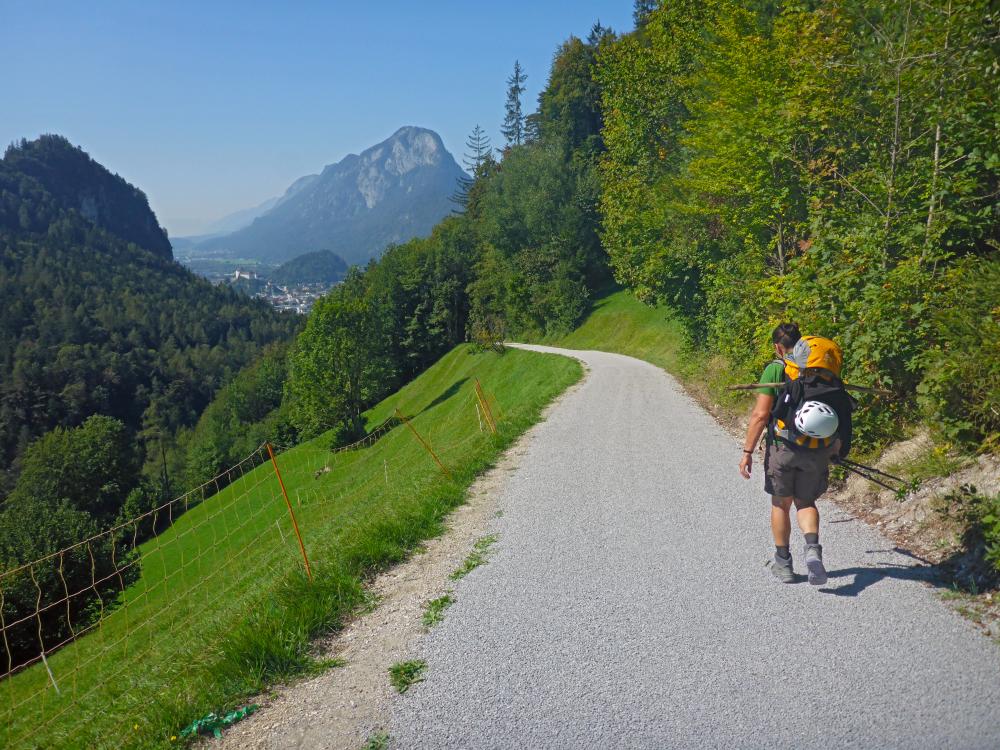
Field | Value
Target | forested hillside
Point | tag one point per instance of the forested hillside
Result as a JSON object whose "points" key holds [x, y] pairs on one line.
{"points": [[97, 319], [322, 266]]}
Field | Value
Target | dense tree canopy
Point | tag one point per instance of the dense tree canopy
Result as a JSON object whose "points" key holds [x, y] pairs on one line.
{"points": [[835, 163]]}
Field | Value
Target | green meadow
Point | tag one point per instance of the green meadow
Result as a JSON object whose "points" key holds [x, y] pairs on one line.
{"points": [[223, 606]]}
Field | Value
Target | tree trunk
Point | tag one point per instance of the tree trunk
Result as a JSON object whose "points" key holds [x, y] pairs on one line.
{"points": [[894, 153], [937, 149], [781, 248]]}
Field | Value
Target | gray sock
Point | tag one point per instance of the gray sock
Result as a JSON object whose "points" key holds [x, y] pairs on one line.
{"points": [[812, 539], [783, 552]]}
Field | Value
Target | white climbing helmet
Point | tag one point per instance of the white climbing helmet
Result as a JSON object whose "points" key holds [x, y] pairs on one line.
{"points": [[816, 419]]}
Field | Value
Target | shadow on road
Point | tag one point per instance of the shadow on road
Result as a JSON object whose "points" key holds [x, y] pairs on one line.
{"points": [[865, 577], [870, 575]]}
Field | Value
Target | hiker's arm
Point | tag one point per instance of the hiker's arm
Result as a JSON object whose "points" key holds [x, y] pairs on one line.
{"points": [[758, 421]]}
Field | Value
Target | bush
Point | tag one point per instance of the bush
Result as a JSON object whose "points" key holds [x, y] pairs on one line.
{"points": [[981, 516], [960, 390]]}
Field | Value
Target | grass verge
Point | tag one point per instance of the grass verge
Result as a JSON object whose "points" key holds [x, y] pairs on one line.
{"points": [[223, 608]]}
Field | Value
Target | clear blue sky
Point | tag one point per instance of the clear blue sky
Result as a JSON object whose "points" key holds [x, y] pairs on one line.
{"points": [[210, 107]]}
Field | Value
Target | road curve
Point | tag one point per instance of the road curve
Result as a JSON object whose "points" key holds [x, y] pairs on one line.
{"points": [[627, 606]]}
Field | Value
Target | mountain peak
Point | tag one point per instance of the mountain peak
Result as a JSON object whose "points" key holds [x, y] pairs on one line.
{"points": [[407, 149], [391, 192]]}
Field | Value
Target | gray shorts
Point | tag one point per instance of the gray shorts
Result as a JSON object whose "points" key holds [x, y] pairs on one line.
{"points": [[801, 474]]}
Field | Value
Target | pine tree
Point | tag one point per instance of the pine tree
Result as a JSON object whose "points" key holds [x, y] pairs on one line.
{"points": [[641, 10], [598, 33], [513, 123], [478, 145]]}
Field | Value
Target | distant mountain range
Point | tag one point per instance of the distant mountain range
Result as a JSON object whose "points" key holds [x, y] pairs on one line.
{"points": [[390, 193]]}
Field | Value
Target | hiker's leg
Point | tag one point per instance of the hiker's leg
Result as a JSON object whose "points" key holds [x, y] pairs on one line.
{"points": [[807, 516], [781, 528], [811, 482], [781, 525]]}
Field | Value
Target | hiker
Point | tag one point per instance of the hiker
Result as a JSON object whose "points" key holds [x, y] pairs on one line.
{"points": [[808, 423]]}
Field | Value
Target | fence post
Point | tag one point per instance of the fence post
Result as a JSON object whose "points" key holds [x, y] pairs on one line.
{"points": [[295, 524], [423, 443], [486, 407]]}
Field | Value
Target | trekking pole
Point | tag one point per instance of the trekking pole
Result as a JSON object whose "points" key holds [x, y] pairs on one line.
{"points": [[880, 483], [847, 386], [872, 468]]}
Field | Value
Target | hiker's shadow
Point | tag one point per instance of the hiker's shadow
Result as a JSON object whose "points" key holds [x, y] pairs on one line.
{"points": [[869, 576]]}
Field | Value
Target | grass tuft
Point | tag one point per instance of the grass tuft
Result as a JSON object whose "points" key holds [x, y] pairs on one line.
{"points": [[478, 556], [377, 741], [404, 674], [434, 610]]}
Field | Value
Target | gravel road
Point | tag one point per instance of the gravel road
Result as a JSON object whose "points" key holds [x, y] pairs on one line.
{"points": [[627, 606]]}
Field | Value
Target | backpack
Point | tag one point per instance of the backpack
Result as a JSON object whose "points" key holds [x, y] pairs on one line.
{"points": [[812, 373]]}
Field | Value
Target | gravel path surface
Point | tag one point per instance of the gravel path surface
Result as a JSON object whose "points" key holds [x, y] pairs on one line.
{"points": [[627, 605]]}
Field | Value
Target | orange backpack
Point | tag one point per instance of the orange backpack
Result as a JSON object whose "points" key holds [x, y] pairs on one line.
{"points": [[812, 372]]}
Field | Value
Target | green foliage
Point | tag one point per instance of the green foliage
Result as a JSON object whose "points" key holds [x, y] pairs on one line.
{"points": [[434, 610], [539, 245], [479, 556], [960, 389], [341, 361], [245, 413], [833, 164], [91, 467], [980, 516], [513, 125], [94, 324], [72, 484], [569, 108], [322, 266]]}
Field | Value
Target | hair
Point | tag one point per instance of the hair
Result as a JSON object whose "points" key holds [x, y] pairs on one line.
{"points": [[786, 334]]}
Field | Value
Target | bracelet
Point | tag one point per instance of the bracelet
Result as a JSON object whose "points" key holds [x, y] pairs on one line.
{"points": [[746, 451]]}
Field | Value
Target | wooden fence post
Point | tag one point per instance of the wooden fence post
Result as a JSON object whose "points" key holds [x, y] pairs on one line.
{"points": [[423, 443], [295, 524]]}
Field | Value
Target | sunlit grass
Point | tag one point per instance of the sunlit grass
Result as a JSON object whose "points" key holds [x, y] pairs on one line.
{"points": [[223, 606]]}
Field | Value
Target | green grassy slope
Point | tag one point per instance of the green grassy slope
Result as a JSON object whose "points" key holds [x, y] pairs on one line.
{"points": [[619, 323], [223, 607]]}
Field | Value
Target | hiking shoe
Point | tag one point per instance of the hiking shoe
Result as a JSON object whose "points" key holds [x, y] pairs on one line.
{"points": [[814, 564], [782, 569]]}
